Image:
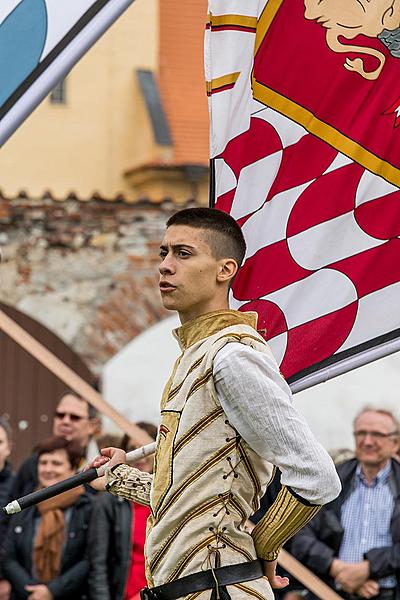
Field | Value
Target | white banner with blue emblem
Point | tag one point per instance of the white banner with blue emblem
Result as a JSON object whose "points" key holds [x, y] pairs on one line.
{"points": [[40, 41]]}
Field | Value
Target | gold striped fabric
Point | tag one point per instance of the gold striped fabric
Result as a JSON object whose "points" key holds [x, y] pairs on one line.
{"points": [[222, 83], [196, 429], [188, 557], [284, 518], [176, 389], [194, 476], [248, 591], [202, 496], [202, 509], [239, 21]]}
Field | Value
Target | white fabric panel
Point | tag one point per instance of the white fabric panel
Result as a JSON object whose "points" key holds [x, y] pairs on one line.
{"points": [[371, 187], [248, 383], [254, 184], [6, 7], [366, 328], [268, 225], [278, 346], [289, 131], [234, 7], [340, 160], [318, 246], [61, 21], [319, 294], [224, 176], [229, 109]]}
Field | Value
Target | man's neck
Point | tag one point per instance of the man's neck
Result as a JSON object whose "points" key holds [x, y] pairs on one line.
{"points": [[371, 471], [196, 312]]}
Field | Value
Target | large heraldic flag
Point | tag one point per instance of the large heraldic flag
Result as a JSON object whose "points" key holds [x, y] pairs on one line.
{"points": [[305, 140], [40, 41]]}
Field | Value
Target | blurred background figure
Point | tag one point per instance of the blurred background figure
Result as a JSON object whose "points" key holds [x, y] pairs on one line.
{"points": [[6, 481], [46, 546], [74, 420], [116, 540], [353, 543]]}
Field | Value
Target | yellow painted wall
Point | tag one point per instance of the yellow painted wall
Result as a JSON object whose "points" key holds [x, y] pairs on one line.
{"points": [[85, 145]]}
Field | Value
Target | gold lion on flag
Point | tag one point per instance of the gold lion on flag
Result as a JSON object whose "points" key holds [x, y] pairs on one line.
{"points": [[350, 18]]}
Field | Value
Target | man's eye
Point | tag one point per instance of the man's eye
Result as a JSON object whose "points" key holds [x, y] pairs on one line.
{"points": [[184, 253], [162, 254]]}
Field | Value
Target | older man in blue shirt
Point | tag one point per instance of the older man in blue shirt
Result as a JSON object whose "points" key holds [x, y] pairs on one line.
{"points": [[354, 542]]}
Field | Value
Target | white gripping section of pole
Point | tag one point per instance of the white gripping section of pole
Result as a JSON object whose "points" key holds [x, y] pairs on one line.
{"points": [[133, 456], [12, 508]]}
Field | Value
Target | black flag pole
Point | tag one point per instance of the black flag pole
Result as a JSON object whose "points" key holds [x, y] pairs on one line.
{"points": [[80, 478]]}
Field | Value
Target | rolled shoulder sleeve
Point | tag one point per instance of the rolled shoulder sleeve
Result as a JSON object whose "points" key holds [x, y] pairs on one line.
{"points": [[258, 403], [129, 483]]}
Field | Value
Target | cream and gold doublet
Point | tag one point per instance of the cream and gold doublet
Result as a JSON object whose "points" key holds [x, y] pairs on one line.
{"points": [[207, 481]]}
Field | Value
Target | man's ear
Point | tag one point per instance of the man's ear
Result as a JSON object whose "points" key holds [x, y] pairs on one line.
{"points": [[228, 268]]}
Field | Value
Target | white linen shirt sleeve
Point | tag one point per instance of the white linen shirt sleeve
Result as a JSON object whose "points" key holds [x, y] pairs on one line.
{"points": [[259, 404]]}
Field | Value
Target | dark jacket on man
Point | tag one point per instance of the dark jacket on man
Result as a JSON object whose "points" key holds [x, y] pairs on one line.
{"points": [[109, 548], [318, 543], [71, 583], [26, 479], [6, 483]]}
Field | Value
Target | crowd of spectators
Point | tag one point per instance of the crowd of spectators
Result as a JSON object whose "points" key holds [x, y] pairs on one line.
{"points": [[84, 545], [79, 545]]}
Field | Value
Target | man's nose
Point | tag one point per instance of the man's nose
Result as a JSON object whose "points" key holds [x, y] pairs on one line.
{"points": [[66, 418], [166, 266]]}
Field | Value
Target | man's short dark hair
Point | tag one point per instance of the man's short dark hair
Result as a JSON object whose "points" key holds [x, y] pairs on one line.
{"points": [[226, 238], [72, 449]]}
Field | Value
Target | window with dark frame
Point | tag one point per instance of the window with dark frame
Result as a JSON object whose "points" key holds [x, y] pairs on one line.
{"points": [[58, 93]]}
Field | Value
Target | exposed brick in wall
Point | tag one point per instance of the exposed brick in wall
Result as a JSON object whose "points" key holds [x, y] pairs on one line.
{"points": [[87, 270]]}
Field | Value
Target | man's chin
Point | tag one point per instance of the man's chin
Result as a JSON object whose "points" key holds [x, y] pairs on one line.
{"points": [[370, 461], [169, 303]]}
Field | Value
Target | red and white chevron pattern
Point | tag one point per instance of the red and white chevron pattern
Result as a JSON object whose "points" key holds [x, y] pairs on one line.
{"points": [[323, 260]]}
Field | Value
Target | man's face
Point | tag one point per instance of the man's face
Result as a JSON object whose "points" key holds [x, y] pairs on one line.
{"points": [[71, 420], [5, 449], [188, 272], [374, 447], [54, 467]]}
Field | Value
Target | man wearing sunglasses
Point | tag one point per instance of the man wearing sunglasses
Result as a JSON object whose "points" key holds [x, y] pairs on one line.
{"points": [[354, 542], [74, 420]]}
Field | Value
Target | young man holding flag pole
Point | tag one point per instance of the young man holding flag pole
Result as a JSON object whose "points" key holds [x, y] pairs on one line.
{"points": [[226, 418]]}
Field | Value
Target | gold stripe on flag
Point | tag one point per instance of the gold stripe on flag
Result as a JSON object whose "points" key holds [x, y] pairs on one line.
{"points": [[221, 82], [235, 20]]}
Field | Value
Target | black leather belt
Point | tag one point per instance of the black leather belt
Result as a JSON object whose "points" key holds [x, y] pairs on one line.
{"points": [[204, 580]]}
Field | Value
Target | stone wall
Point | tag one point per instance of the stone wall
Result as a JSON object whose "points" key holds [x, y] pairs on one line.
{"points": [[87, 270]]}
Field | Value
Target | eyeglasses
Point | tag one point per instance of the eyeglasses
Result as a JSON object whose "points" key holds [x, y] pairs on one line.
{"points": [[376, 435], [74, 418]]}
